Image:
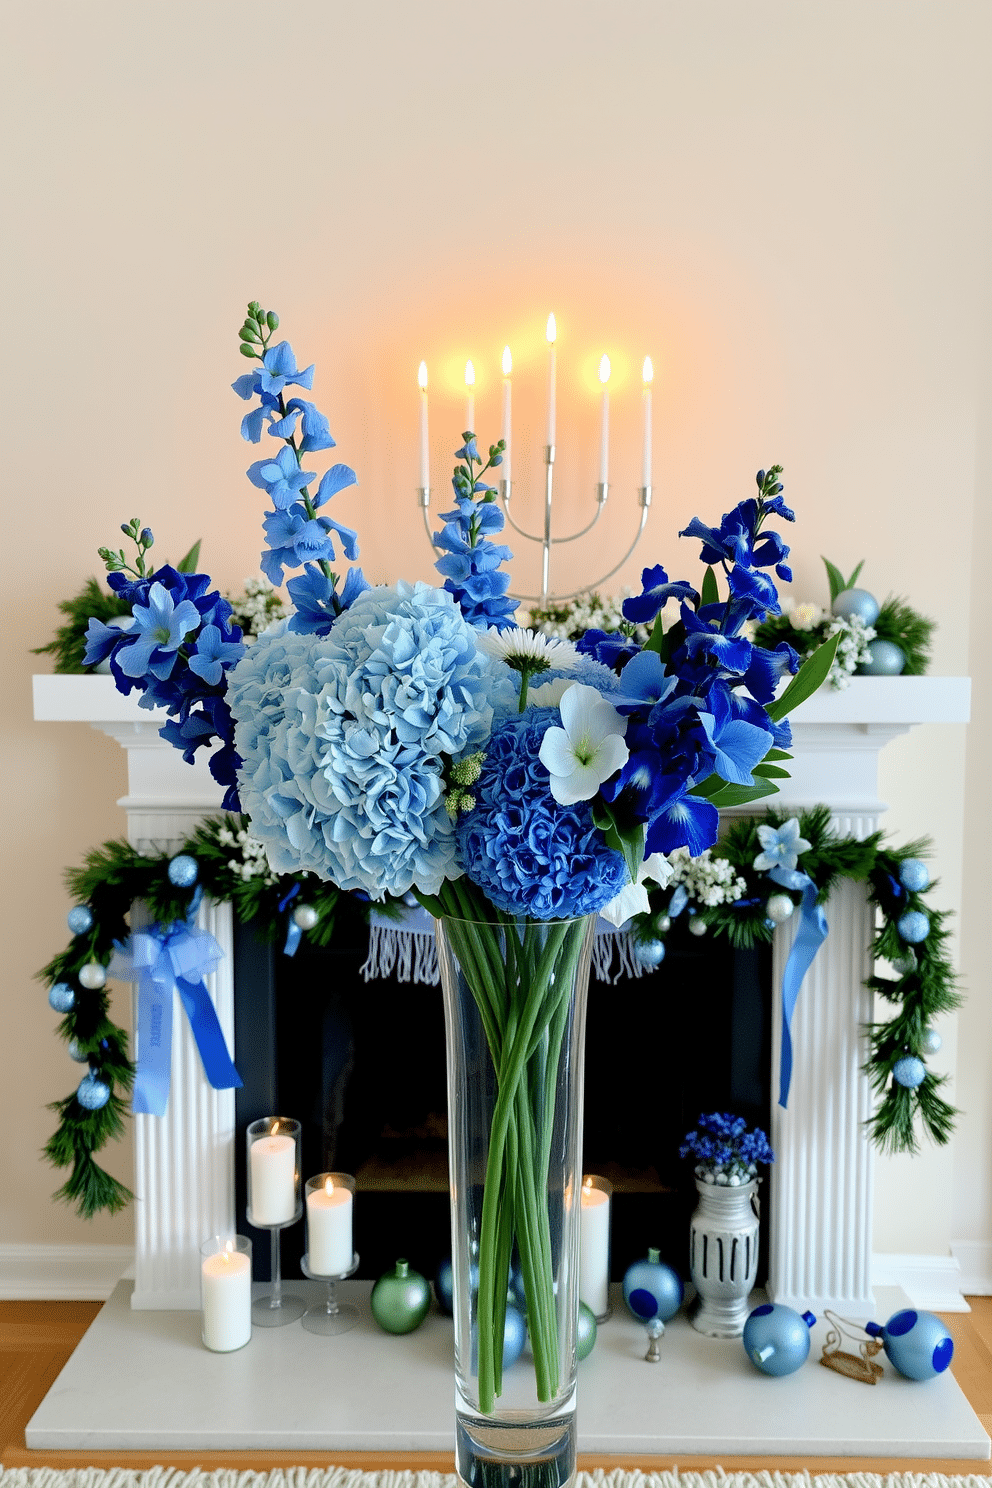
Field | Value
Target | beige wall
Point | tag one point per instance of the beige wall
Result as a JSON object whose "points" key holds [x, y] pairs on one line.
{"points": [[784, 203]]}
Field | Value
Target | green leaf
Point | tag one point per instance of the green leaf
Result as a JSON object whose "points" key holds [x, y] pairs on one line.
{"points": [[710, 594], [739, 795], [809, 677], [628, 841], [656, 640], [835, 579], [777, 754], [854, 577], [770, 772], [708, 787], [188, 563]]}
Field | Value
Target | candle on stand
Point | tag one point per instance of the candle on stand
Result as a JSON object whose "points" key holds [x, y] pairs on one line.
{"points": [[647, 374], [470, 397], [507, 369], [604, 435], [225, 1294], [594, 1245], [330, 1205], [425, 460], [272, 1196], [551, 333]]}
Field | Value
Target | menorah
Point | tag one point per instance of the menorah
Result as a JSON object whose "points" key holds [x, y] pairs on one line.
{"points": [[547, 537]]}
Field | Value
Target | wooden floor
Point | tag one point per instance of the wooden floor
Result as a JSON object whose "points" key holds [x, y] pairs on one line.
{"points": [[36, 1339]]}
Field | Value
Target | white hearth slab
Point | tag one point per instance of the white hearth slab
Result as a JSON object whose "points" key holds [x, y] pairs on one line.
{"points": [[142, 1381]]}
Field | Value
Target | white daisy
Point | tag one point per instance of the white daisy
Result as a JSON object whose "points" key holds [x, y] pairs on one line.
{"points": [[528, 650]]}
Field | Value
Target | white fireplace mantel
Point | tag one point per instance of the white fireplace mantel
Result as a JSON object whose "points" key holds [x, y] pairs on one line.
{"points": [[821, 1186]]}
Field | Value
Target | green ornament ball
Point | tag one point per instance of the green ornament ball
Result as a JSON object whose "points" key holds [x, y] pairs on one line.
{"points": [[401, 1299], [585, 1338]]}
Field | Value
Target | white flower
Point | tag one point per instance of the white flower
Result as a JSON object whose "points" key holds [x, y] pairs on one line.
{"points": [[588, 749], [549, 694], [634, 898], [527, 650]]}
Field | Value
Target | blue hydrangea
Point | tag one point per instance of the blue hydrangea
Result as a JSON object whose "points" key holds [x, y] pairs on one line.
{"points": [[529, 855], [346, 736]]}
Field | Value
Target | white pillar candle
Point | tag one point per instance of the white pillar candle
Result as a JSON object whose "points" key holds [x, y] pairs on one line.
{"points": [[648, 374], [226, 1297], [425, 463], [330, 1249], [551, 333], [594, 1249], [507, 415], [470, 397], [604, 433], [273, 1180]]}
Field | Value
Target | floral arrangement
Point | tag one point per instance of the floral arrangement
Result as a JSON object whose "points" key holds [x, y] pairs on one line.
{"points": [[569, 619], [726, 1153], [410, 738]]}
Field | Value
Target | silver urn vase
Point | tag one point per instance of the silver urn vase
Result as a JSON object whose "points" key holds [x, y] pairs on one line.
{"points": [[723, 1256]]}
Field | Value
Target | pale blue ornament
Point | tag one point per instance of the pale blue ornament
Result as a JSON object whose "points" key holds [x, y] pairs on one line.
{"points": [[886, 659], [652, 1290], [930, 1041], [649, 952], [77, 1052], [776, 1339], [914, 875], [61, 998], [909, 1071], [183, 871], [514, 1336], [305, 916], [913, 926], [93, 976], [80, 919], [92, 1093], [917, 1343], [857, 604], [585, 1338], [779, 908]]}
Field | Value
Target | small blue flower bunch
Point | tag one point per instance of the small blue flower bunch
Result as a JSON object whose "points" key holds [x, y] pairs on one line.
{"points": [[726, 1153], [470, 561]]}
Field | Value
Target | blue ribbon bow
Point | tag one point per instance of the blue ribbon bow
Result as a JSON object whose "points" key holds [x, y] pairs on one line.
{"points": [[162, 960], [810, 936]]}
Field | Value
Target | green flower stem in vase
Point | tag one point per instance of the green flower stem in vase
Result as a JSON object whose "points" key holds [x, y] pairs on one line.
{"points": [[515, 994]]}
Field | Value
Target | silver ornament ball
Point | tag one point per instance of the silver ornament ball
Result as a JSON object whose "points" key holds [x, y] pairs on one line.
{"points": [[61, 998], [856, 603], [305, 916], [77, 1052], [664, 925], [697, 926], [92, 1093], [779, 908], [80, 919], [930, 1041], [92, 976], [886, 660]]}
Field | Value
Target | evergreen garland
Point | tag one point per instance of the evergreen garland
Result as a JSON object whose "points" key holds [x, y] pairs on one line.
{"points": [[115, 875]]}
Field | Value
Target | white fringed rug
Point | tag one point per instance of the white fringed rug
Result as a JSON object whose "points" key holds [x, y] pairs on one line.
{"points": [[344, 1477]]}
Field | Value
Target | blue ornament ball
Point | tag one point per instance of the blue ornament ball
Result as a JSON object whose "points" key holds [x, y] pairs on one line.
{"points": [[649, 952], [886, 659], [909, 1071], [930, 1041], [514, 1335], [652, 1290], [443, 1282], [913, 926], [183, 871], [61, 998], [92, 1093], [917, 1343], [80, 919], [857, 603], [914, 875], [585, 1338], [776, 1339]]}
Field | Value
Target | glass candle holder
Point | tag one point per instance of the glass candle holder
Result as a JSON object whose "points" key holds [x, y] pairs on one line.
{"points": [[225, 1293], [594, 1245], [274, 1160], [330, 1255]]}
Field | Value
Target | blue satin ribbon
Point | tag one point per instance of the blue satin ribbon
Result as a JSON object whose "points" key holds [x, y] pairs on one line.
{"points": [[810, 936], [293, 932], [162, 960]]}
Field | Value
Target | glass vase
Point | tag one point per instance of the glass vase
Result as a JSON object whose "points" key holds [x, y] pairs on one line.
{"points": [[515, 1000]]}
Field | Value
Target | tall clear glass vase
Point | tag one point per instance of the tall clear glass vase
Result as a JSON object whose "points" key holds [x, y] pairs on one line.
{"points": [[515, 1000]]}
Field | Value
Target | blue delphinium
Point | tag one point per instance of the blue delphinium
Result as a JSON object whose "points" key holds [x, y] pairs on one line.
{"points": [[470, 562], [346, 738], [529, 855]]}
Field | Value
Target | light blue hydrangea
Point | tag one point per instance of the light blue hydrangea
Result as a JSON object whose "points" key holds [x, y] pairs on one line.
{"points": [[346, 738]]}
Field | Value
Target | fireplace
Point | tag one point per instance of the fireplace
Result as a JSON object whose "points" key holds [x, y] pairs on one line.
{"points": [[820, 1190]]}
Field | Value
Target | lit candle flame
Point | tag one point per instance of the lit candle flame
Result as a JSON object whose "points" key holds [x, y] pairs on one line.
{"points": [[587, 1183], [469, 375], [274, 1127], [552, 330], [604, 368], [647, 371], [507, 362], [422, 374], [328, 1184]]}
